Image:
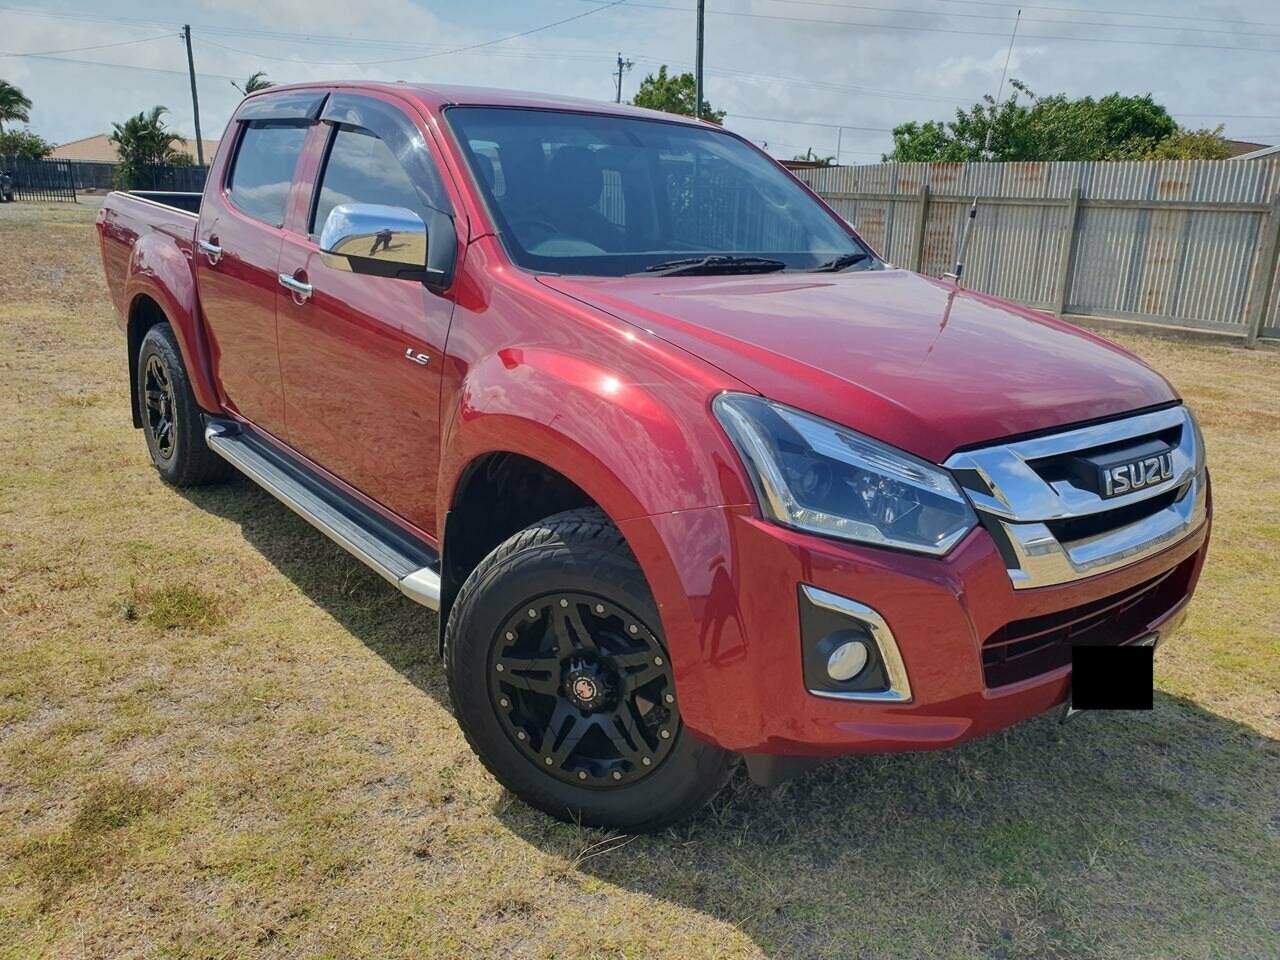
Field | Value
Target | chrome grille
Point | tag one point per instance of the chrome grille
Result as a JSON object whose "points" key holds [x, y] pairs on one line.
{"points": [[1052, 527]]}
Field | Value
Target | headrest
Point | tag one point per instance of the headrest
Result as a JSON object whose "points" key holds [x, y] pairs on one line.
{"points": [[575, 176], [485, 171]]}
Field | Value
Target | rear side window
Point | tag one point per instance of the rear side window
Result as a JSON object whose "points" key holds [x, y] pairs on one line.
{"points": [[362, 169], [263, 170]]}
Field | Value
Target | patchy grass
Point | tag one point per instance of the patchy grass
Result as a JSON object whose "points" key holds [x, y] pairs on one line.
{"points": [[173, 607], [220, 736]]}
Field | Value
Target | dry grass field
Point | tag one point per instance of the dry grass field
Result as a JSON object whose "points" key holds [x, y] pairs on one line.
{"points": [[221, 737]]}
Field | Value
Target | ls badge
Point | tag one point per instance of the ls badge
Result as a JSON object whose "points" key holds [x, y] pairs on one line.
{"points": [[421, 358]]}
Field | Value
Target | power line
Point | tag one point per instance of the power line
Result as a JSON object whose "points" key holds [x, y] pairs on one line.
{"points": [[1008, 19], [943, 30], [118, 66], [810, 123], [97, 46], [533, 55], [1116, 13], [579, 54], [427, 56]]}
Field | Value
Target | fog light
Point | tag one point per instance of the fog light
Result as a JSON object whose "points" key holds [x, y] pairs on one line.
{"points": [[847, 660]]}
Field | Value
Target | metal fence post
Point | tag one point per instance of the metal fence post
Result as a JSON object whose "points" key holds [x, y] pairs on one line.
{"points": [[1264, 273], [1067, 254], [922, 217]]}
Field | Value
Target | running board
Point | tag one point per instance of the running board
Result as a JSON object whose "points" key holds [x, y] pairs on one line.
{"points": [[403, 560]]}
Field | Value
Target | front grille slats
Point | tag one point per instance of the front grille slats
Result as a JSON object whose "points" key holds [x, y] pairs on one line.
{"points": [[1073, 504], [1027, 648]]}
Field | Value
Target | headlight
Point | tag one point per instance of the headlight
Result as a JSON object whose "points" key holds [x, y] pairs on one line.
{"points": [[824, 478], [1199, 441]]}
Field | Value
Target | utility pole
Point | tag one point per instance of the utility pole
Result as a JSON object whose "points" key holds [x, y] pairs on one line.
{"points": [[622, 65], [702, 15], [195, 100]]}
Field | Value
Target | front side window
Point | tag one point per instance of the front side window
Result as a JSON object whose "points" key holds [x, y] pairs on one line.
{"points": [[362, 169], [262, 174], [605, 195]]}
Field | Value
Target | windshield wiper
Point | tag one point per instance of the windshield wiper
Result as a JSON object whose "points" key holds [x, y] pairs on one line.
{"points": [[714, 264], [842, 262]]}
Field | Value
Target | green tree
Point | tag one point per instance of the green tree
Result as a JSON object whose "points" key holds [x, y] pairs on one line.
{"points": [[145, 141], [673, 93], [14, 104], [24, 145], [810, 156], [1027, 127], [1183, 145]]}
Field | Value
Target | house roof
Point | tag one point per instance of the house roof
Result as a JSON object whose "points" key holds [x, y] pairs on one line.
{"points": [[100, 148], [1258, 154], [1240, 148]]}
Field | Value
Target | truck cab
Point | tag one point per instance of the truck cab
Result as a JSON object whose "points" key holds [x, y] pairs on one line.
{"points": [[689, 472]]}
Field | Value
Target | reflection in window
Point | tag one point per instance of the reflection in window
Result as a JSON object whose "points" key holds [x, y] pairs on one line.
{"points": [[362, 169]]}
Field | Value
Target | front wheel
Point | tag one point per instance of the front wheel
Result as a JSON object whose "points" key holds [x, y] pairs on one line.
{"points": [[563, 686]]}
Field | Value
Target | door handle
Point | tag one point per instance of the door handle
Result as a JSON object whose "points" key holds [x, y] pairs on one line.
{"points": [[301, 291], [212, 251]]}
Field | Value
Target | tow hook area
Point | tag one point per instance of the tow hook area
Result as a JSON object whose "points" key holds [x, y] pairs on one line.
{"points": [[770, 770], [1151, 639]]}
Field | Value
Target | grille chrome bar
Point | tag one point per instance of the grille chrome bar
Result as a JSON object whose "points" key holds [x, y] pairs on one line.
{"points": [[1041, 561], [1016, 492], [1017, 504]]}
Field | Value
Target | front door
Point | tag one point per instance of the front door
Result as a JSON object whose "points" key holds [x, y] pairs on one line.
{"points": [[361, 356]]}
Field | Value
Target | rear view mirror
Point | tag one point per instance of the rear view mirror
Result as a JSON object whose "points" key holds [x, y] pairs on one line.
{"points": [[382, 241]]}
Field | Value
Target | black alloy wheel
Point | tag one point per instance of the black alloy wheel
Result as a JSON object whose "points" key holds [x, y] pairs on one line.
{"points": [[560, 676], [171, 420], [158, 392], [584, 689]]}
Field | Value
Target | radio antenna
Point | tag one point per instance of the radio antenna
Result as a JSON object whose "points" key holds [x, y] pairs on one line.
{"points": [[958, 273]]}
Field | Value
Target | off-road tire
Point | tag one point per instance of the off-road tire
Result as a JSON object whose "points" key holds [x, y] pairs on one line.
{"points": [[180, 454], [575, 553]]}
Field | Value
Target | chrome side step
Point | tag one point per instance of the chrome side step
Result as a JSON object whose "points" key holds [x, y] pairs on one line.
{"points": [[403, 560]]}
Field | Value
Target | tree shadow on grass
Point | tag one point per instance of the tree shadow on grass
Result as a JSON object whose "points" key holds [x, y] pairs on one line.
{"points": [[1152, 835]]}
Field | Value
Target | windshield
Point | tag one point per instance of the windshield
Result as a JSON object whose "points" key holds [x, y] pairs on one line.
{"points": [[598, 195]]}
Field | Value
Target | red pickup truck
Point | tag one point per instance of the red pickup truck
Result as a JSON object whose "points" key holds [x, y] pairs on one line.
{"points": [[690, 473]]}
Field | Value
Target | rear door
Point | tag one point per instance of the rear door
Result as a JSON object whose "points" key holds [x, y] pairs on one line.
{"points": [[239, 236], [361, 356]]}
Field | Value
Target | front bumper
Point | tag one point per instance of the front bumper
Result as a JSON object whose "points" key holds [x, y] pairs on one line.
{"points": [[726, 584]]}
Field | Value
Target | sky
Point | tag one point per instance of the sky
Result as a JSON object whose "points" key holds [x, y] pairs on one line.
{"points": [[792, 74]]}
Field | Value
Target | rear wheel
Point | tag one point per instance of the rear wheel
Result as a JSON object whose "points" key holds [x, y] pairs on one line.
{"points": [[171, 420], [563, 685]]}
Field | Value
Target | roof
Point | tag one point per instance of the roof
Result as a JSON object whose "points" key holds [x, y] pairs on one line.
{"points": [[1240, 148], [442, 95], [807, 164], [1258, 154], [100, 149]]}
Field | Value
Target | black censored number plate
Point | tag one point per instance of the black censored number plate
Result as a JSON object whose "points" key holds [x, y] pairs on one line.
{"points": [[1111, 677]]}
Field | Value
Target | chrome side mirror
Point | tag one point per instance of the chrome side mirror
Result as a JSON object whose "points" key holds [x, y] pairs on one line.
{"points": [[382, 241]]}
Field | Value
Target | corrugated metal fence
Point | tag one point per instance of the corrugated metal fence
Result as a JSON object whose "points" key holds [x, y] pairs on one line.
{"points": [[1185, 243]]}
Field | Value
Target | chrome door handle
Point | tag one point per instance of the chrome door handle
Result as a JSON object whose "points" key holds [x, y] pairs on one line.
{"points": [[212, 251], [301, 291]]}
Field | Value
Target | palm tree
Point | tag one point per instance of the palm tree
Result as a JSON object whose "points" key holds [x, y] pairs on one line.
{"points": [[809, 156], [258, 81], [14, 104], [144, 141]]}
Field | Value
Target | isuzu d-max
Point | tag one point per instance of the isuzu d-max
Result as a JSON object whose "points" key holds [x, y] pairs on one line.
{"points": [[690, 473]]}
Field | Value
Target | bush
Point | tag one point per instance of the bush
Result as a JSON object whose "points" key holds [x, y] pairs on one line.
{"points": [[24, 145]]}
